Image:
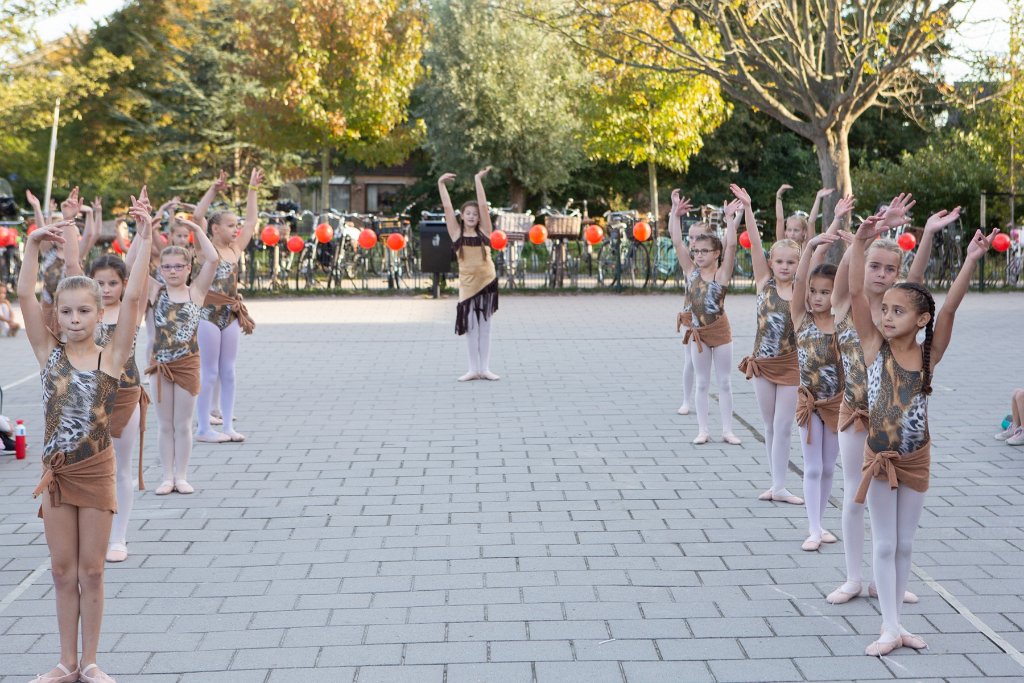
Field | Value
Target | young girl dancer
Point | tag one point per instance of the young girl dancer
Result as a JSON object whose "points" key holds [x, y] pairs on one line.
{"points": [[773, 364], [897, 452], [709, 335], [9, 325], [52, 264], [224, 316], [796, 227], [884, 259], [80, 381], [685, 319], [128, 419], [478, 282], [175, 315]]}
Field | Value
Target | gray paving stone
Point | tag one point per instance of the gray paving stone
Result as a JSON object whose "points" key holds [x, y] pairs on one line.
{"points": [[593, 672], [489, 673], [656, 672]]}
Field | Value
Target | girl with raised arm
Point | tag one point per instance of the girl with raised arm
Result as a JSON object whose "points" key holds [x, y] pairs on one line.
{"points": [[797, 227], [884, 259], [478, 283], [224, 316], [709, 336], [176, 314], [821, 376], [898, 449], [80, 382], [685, 319], [773, 363]]}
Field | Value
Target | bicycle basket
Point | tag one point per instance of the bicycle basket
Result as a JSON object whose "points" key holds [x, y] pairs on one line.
{"points": [[514, 225], [389, 226], [564, 226]]}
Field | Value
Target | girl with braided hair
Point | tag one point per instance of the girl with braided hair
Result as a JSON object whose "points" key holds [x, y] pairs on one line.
{"points": [[897, 451]]}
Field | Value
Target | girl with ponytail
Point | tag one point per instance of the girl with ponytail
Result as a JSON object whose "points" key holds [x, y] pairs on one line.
{"points": [[897, 453]]}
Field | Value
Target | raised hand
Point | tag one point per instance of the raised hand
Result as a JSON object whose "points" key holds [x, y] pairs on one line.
{"points": [[824, 192], [446, 178], [845, 206], [143, 220], [50, 233], [256, 178], [979, 244], [32, 200], [872, 227], [482, 172], [221, 183], [192, 227], [71, 206], [97, 204], [822, 238], [846, 236], [782, 189], [733, 213], [938, 221], [896, 213], [741, 195], [680, 205]]}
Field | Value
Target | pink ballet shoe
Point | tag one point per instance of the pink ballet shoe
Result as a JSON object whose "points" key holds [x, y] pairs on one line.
{"points": [[117, 552], [67, 676], [841, 597], [908, 597], [183, 486], [684, 409], [912, 641], [235, 437], [791, 499], [164, 488], [489, 376], [213, 437], [731, 439], [811, 544], [767, 495], [701, 439], [881, 648], [828, 537], [97, 676], [469, 377]]}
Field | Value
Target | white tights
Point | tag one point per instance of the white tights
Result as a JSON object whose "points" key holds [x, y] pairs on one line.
{"points": [[218, 351], [851, 448], [895, 514], [124, 452], [478, 344], [721, 358], [819, 467], [688, 376], [778, 408], [174, 417]]}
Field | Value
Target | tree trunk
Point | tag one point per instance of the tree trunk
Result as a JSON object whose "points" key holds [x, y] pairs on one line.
{"points": [[652, 182], [517, 195], [833, 150], [325, 179]]}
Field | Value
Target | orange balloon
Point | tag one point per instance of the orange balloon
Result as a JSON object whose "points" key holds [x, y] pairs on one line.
{"points": [[641, 232], [498, 240], [324, 233], [270, 236], [593, 234], [745, 240], [395, 241], [367, 238], [296, 244], [538, 234]]}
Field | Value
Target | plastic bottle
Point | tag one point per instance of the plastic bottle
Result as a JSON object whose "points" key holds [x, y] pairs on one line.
{"points": [[20, 443]]}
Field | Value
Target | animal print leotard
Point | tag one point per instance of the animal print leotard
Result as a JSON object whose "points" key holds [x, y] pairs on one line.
{"points": [[898, 415], [78, 407], [775, 335]]}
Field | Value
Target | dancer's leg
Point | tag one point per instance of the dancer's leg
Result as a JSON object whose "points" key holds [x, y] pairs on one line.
{"points": [[473, 348], [829, 454], [165, 419], [764, 391], [209, 371], [851, 449], [184, 408], [230, 339], [812, 474], [782, 431], [722, 359], [689, 381], [702, 380], [883, 503], [484, 345], [60, 525], [124, 451], [93, 532], [909, 505]]}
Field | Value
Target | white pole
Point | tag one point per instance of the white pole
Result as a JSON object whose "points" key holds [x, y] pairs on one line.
{"points": [[49, 167]]}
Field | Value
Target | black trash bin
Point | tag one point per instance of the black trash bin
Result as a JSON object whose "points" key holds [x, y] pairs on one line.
{"points": [[436, 255]]}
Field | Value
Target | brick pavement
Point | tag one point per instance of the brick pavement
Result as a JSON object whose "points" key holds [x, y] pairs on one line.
{"points": [[384, 523]]}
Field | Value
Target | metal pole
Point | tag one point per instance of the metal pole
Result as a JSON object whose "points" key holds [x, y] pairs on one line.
{"points": [[49, 167], [981, 217]]}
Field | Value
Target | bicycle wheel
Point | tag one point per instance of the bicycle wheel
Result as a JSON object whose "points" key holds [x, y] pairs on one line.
{"points": [[607, 264], [636, 271]]}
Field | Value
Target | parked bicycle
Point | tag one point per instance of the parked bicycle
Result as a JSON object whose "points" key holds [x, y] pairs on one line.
{"points": [[563, 226], [509, 262], [623, 261]]}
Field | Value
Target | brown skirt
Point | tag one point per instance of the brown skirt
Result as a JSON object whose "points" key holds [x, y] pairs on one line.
{"points": [[684, 319], [184, 372], [717, 333], [245, 320], [911, 470], [124, 405], [849, 416], [89, 483], [827, 409], [783, 370]]}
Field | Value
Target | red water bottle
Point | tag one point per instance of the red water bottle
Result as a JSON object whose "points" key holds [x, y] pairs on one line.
{"points": [[20, 444]]}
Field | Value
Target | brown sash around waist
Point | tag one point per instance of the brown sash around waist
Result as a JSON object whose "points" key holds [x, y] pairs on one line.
{"points": [[683, 319], [124, 405], [89, 483], [782, 369], [910, 470], [717, 333], [827, 409], [850, 416], [184, 372], [245, 320]]}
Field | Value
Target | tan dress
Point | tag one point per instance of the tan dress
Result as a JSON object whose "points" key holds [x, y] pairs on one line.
{"points": [[478, 281]]}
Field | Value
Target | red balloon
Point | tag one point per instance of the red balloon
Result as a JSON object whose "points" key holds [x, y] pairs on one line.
{"points": [[117, 246], [31, 229], [1001, 242], [6, 238], [593, 234], [906, 241], [191, 237], [395, 241], [270, 236], [498, 240], [166, 241], [295, 244], [641, 232], [538, 234], [745, 240], [324, 233], [367, 238]]}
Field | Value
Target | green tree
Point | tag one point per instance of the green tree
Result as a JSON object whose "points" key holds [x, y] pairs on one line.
{"points": [[500, 92]]}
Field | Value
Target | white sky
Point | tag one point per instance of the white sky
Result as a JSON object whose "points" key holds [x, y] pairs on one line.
{"points": [[986, 29]]}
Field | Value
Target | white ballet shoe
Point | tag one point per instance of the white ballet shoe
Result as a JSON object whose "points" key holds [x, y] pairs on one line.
{"points": [[213, 437], [469, 377], [684, 409], [489, 376]]}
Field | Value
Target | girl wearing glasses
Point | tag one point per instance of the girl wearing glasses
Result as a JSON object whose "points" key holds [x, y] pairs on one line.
{"points": [[685, 319], [709, 336], [175, 316], [799, 227]]}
